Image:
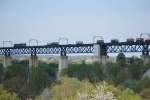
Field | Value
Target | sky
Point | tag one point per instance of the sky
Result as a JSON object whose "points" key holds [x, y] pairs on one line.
{"points": [[48, 20]]}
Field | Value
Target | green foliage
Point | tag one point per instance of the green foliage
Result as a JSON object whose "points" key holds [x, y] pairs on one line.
{"points": [[5, 95], [136, 69], [39, 79], [112, 69], [16, 70], [66, 90], [73, 89], [121, 77], [129, 95], [115, 73], [146, 67], [121, 59], [1, 72], [133, 85], [92, 72], [25, 83], [17, 79], [145, 93], [50, 69], [145, 82], [100, 92]]}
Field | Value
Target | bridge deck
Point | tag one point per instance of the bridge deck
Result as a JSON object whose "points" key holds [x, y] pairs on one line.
{"points": [[77, 48]]}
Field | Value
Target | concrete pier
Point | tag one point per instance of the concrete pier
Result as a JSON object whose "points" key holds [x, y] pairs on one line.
{"points": [[100, 55], [33, 61], [96, 57], [103, 59], [146, 58], [7, 61], [63, 63]]}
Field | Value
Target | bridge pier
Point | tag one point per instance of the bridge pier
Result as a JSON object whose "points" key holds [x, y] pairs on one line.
{"points": [[96, 57], [146, 58], [100, 53], [145, 54], [103, 59], [7, 61], [63, 63], [33, 61]]}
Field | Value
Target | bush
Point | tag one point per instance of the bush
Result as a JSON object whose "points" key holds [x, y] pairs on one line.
{"points": [[133, 85], [115, 74], [146, 67], [121, 60], [38, 80], [145, 82], [136, 69], [5, 95], [73, 89], [145, 94], [1, 72], [100, 92], [129, 95], [16, 70], [92, 72], [29, 84], [66, 90]]}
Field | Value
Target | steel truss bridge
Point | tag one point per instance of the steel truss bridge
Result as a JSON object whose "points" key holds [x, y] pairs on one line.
{"points": [[63, 50]]}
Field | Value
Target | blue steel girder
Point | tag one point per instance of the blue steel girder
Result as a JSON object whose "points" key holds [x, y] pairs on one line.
{"points": [[77, 48], [117, 48], [59, 49]]}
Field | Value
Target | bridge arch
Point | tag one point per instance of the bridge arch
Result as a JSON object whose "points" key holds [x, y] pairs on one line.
{"points": [[7, 42], [145, 34], [96, 37], [33, 41], [63, 39]]}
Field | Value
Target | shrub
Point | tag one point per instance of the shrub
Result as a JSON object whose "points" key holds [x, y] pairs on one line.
{"points": [[5, 95], [121, 59], [145, 94], [39, 79], [92, 72], [145, 82], [129, 95], [73, 89], [115, 74], [136, 69], [100, 92], [1, 72], [66, 90], [134, 85]]}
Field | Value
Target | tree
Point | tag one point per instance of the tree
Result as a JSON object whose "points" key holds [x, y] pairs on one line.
{"points": [[73, 89], [121, 59], [92, 72], [133, 85], [146, 67], [16, 70], [145, 82], [25, 84], [1, 72], [51, 69], [136, 69], [39, 79], [112, 72]]}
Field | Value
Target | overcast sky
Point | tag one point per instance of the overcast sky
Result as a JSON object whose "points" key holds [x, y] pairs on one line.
{"points": [[47, 20]]}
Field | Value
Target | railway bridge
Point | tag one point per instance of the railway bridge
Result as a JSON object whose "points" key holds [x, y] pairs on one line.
{"points": [[100, 50]]}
